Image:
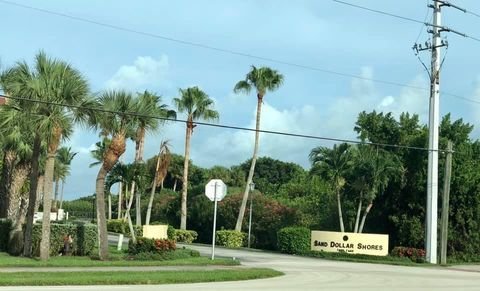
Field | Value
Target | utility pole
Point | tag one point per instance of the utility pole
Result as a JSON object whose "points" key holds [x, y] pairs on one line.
{"points": [[445, 204], [434, 122]]}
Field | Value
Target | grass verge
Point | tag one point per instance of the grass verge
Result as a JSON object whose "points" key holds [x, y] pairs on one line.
{"points": [[133, 278], [10, 261]]}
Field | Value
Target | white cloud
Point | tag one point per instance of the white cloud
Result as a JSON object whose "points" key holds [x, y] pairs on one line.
{"points": [[145, 72]]}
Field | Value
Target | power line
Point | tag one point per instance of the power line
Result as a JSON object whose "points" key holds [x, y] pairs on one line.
{"points": [[238, 53], [208, 47], [444, 28], [136, 114]]}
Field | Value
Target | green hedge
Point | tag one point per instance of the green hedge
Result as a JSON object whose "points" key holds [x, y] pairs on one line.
{"points": [[230, 238], [84, 238], [148, 245], [5, 228], [184, 236], [293, 240], [120, 226], [168, 255]]}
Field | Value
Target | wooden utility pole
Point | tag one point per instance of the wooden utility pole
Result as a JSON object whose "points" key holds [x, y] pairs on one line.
{"points": [[445, 204]]}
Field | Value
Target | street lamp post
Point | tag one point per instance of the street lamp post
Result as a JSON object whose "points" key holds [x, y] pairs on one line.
{"points": [[252, 187]]}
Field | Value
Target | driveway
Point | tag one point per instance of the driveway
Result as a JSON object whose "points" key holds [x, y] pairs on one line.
{"points": [[316, 274]]}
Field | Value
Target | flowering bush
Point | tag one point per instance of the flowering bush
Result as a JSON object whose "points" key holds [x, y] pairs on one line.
{"points": [[416, 255], [147, 245]]}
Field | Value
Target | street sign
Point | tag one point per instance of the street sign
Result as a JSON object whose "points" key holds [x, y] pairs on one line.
{"points": [[215, 190], [215, 186]]}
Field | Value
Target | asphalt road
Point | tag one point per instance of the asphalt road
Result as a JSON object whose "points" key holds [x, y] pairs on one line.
{"points": [[316, 274]]}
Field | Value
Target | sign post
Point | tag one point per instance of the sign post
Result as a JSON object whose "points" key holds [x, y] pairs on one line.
{"points": [[215, 190]]}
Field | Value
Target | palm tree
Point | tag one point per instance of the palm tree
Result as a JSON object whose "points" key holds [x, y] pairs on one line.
{"points": [[126, 175], [65, 157], [333, 164], [51, 81], [115, 124], [262, 80], [97, 154], [197, 105], [163, 162], [149, 105]]}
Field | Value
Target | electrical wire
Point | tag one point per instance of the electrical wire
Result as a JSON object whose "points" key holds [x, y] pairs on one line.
{"points": [[289, 134], [242, 54]]}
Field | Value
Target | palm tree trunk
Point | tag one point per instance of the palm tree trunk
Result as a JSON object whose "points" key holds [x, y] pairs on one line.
{"points": [[130, 202], [130, 227], [175, 185], [152, 192], [109, 205], [55, 200], [40, 188], [5, 184], [32, 197], [241, 213], [20, 175], [359, 210], [183, 218], [370, 204], [120, 188], [340, 214], [47, 206], [138, 210], [61, 195], [101, 218]]}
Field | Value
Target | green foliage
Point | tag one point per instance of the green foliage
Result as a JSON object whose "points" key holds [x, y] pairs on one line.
{"points": [[170, 232], [184, 236], [177, 254], [230, 238], [120, 226], [147, 245], [416, 255], [5, 228], [84, 238], [294, 240], [361, 258]]}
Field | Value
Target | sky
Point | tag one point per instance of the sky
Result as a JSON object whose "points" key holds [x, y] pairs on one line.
{"points": [[321, 34]]}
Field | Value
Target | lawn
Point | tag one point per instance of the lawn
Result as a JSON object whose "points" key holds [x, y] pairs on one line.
{"points": [[359, 258], [11, 261], [133, 277]]}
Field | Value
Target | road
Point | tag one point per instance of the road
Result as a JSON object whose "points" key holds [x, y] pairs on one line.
{"points": [[315, 274]]}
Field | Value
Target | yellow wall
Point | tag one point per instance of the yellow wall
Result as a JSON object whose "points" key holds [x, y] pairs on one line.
{"points": [[155, 231]]}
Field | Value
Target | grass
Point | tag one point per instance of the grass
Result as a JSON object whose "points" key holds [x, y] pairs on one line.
{"points": [[11, 261], [360, 258], [132, 278]]}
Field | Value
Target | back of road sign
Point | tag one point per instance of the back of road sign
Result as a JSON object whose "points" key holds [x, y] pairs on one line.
{"points": [[215, 185]]}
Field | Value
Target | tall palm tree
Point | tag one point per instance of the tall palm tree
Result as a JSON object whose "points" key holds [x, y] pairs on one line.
{"points": [[197, 105], [262, 80], [333, 164], [65, 157], [114, 124], [50, 81], [97, 154], [163, 162], [149, 105]]}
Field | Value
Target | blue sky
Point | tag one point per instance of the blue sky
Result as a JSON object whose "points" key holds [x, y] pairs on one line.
{"points": [[320, 34]]}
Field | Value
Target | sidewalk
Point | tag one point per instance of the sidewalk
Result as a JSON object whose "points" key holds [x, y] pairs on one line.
{"points": [[116, 269]]}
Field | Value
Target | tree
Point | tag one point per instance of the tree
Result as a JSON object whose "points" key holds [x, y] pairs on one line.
{"points": [[115, 124], [197, 105], [65, 157], [163, 162], [262, 80], [97, 154], [333, 164], [149, 105], [51, 81]]}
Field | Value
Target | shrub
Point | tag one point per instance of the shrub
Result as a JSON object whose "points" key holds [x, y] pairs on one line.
{"points": [[147, 245], [184, 236], [168, 255], [416, 255], [293, 240], [120, 226], [230, 238], [5, 228], [171, 232], [84, 238]]}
